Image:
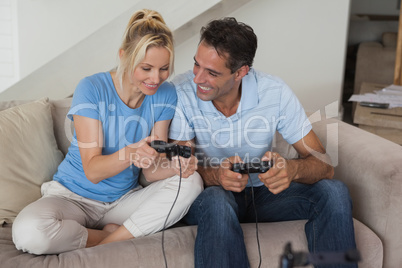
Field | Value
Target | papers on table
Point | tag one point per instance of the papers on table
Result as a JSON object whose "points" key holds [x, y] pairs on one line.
{"points": [[391, 95], [393, 89]]}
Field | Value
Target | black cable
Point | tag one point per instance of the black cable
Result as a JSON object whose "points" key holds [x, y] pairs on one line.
{"points": [[256, 224], [164, 225], [256, 221]]}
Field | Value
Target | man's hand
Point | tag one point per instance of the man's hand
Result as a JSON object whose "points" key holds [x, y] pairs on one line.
{"points": [[188, 165], [279, 177], [230, 180]]}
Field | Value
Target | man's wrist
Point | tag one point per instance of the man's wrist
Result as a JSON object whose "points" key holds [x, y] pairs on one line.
{"points": [[209, 174], [292, 168]]}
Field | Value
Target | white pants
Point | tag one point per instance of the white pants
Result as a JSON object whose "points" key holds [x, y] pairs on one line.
{"points": [[58, 221]]}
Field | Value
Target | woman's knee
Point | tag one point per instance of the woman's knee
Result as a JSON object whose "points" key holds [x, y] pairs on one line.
{"points": [[29, 233], [192, 186]]}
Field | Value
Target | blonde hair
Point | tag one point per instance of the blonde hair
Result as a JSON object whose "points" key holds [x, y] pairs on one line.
{"points": [[145, 29]]}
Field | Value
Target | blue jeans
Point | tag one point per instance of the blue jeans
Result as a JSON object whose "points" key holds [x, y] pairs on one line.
{"points": [[218, 213]]}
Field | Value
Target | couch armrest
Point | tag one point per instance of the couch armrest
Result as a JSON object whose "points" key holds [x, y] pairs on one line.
{"points": [[371, 167]]}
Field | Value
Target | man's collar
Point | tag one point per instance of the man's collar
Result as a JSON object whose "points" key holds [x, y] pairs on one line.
{"points": [[249, 94]]}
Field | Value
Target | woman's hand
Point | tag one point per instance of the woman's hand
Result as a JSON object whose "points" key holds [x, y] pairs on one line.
{"points": [[143, 155]]}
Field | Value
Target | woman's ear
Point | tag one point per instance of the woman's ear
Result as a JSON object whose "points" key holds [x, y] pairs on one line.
{"points": [[121, 53], [242, 71]]}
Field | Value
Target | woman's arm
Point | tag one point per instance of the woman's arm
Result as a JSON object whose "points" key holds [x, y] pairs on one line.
{"points": [[98, 167], [162, 167], [155, 172]]}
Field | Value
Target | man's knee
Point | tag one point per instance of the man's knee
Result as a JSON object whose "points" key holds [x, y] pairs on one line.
{"points": [[336, 195], [218, 201]]}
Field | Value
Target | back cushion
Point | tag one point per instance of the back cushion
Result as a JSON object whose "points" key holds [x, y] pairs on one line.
{"points": [[29, 155], [63, 127]]}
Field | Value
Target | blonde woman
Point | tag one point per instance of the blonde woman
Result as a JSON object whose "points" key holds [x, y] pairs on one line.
{"points": [[95, 196]]}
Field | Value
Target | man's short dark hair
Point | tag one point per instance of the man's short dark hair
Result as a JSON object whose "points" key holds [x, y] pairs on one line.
{"points": [[235, 38]]}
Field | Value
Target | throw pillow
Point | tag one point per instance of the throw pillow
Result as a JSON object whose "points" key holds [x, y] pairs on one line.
{"points": [[63, 127], [28, 156]]}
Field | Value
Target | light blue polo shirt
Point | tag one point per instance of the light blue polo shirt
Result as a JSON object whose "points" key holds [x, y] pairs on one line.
{"points": [[267, 105]]}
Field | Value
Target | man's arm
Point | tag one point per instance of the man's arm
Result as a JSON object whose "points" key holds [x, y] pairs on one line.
{"points": [[209, 175], [313, 165]]}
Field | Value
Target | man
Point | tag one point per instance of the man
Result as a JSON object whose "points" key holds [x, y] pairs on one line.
{"points": [[230, 112]]}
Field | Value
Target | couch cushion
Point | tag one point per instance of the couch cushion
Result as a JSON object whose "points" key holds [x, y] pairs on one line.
{"points": [[8, 104], [179, 248], [28, 157], [63, 127]]}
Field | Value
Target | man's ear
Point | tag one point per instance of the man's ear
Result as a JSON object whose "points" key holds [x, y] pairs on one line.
{"points": [[242, 71]]}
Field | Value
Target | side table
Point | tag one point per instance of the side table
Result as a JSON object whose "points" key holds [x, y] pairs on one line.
{"points": [[386, 123]]}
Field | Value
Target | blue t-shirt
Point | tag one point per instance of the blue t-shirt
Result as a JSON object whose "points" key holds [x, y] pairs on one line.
{"points": [[267, 105], [96, 97]]}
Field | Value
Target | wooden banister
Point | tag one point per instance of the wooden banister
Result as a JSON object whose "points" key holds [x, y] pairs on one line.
{"points": [[398, 59]]}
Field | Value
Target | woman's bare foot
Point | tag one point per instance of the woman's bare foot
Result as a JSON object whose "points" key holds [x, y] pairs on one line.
{"points": [[121, 233], [96, 236], [110, 227]]}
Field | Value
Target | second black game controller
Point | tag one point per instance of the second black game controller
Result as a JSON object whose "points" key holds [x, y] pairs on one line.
{"points": [[171, 149], [252, 167]]}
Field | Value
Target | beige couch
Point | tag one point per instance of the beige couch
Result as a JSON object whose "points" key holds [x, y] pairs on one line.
{"points": [[375, 61], [35, 135]]}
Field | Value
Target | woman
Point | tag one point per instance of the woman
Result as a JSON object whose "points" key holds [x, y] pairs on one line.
{"points": [[95, 197]]}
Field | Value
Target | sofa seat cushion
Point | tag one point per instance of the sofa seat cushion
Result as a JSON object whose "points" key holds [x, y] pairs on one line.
{"points": [[29, 155], [179, 248]]}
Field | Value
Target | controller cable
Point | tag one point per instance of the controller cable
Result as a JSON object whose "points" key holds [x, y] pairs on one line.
{"points": [[256, 223], [256, 220], [174, 202], [164, 225]]}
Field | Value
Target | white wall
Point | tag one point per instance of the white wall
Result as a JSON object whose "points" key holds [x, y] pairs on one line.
{"points": [[9, 64], [303, 42], [33, 32], [97, 52], [46, 28]]}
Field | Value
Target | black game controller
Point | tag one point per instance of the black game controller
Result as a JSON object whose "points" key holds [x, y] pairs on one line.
{"points": [[252, 167], [171, 149]]}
